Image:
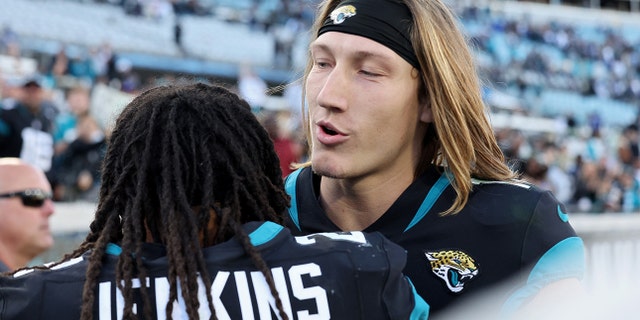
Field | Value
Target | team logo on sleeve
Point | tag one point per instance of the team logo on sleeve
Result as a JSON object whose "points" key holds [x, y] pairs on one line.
{"points": [[454, 267], [342, 13]]}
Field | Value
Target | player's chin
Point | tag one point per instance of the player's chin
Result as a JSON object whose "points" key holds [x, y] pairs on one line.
{"points": [[330, 170], [327, 167], [46, 241]]}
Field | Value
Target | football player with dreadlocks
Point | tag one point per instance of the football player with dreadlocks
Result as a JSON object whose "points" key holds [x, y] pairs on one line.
{"points": [[188, 225]]}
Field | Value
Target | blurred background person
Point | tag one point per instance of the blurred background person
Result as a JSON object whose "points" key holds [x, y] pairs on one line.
{"points": [[26, 126], [78, 102], [77, 168], [288, 149], [25, 208], [252, 88], [192, 195]]}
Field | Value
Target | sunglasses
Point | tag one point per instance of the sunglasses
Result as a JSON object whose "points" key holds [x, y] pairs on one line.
{"points": [[30, 197]]}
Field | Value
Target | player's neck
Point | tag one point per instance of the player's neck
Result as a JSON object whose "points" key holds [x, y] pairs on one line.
{"points": [[12, 261], [355, 204]]}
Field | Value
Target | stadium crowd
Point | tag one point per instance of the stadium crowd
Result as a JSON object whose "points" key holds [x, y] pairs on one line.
{"points": [[591, 164]]}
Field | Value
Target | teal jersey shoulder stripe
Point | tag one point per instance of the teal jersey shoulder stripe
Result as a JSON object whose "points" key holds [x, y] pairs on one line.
{"points": [[113, 249], [564, 260], [290, 188], [421, 308], [265, 233], [429, 200], [563, 216]]}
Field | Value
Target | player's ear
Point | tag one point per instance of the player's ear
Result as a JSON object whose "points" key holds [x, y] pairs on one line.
{"points": [[426, 113], [424, 105]]}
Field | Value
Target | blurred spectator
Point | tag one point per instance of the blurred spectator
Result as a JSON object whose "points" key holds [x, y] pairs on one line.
{"points": [[624, 193], [59, 64], [284, 38], [513, 143], [82, 69], [535, 172], [127, 79], [9, 41], [190, 7], [26, 127], [288, 150], [132, 7], [252, 88], [102, 60], [630, 185], [177, 33], [593, 183], [78, 103], [596, 148], [628, 150], [293, 97], [157, 10], [555, 178], [25, 208], [77, 168]]}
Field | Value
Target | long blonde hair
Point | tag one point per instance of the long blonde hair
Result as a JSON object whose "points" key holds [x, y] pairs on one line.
{"points": [[461, 138]]}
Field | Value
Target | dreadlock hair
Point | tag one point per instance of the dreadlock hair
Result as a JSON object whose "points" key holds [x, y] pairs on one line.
{"points": [[180, 159]]}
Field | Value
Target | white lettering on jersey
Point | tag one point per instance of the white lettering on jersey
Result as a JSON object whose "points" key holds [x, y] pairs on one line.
{"points": [[266, 301], [104, 295], [247, 292], [162, 298], [217, 286], [179, 310], [355, 236], [302, 293], [242, 284]]}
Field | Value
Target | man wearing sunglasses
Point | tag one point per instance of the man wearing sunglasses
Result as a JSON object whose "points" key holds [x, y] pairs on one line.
{"points": [[25, 208]]}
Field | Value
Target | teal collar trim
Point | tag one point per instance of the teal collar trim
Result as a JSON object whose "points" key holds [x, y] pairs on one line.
{"points": [[420, 308], [430, 200], [113, 249], [265, 233], [290, 188]]}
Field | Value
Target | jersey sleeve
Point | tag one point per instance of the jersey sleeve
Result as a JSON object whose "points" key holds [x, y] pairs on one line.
{"points": [[551, 247], [399, 297], [15, 298], [363, 276]]}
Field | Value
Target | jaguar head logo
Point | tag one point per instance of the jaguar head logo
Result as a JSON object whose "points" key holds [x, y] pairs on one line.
{"points": [[455, 267], [342, 13]]}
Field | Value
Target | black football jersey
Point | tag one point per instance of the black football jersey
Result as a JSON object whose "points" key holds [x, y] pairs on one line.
{"points": [[343, 275], [507, 231], [3, 267]]}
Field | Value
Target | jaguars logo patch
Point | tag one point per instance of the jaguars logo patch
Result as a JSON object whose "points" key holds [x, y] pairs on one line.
{"points": [[340, 14], [454, 267]]}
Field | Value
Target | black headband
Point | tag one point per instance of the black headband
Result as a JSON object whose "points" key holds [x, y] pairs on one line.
{"points": [[384, 21]]}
